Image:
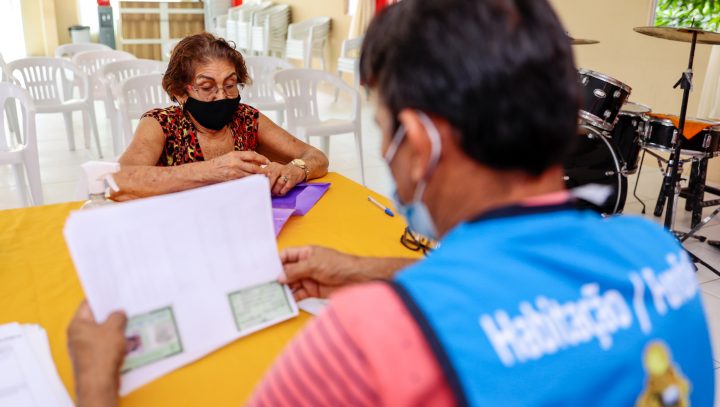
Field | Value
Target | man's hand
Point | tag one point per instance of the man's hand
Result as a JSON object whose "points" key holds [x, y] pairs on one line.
{"points": [[314, 271], [236, 164], [283, 177], [97, 352]]}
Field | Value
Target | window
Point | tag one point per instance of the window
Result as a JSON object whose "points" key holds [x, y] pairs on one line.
{"points": [[703, 14]]}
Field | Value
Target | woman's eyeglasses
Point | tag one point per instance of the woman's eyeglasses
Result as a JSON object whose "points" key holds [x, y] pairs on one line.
{"points": [[209, 92], [417, 242]]}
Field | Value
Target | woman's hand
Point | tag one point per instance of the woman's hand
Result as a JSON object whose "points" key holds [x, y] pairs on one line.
{"points": [[236, 164], [283, 177]]}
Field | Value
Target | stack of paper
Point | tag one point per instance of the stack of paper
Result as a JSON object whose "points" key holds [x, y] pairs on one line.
{"points": [[194, 271], [27, 372]]}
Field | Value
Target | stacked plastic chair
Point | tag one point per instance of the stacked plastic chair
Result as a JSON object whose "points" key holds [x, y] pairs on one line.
{"points": [[244, 22], [307, 40], [269, 31], [231, 31]]}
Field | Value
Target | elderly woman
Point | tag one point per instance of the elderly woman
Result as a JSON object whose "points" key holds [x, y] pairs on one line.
{"points": [[210, 136]]}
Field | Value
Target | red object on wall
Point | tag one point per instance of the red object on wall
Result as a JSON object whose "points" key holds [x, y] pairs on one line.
{"points": [[237, 3], [103, 3]]}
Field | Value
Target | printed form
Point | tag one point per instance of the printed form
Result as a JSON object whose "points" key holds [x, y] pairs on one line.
{"points": [[193, 270]]}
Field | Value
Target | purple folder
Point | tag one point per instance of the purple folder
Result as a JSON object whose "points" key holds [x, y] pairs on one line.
{"points": [[301, 198], [280, 217], [296, 202]]}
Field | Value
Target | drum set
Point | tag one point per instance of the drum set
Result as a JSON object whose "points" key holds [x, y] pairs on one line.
{"points": [[615, 131]]}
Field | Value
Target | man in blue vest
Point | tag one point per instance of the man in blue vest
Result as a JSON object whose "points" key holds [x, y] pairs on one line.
{"points": [[528, 300]]}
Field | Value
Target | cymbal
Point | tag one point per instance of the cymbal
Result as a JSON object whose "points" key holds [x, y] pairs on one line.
{"points": [[582, 41], [680, 34]]}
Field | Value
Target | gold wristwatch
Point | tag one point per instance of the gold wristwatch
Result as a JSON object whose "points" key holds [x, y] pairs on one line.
{"points": [[301, 164]]}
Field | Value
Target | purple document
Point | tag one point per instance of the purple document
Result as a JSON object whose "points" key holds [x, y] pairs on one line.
{"points": [[280, 217], [301, 198]]}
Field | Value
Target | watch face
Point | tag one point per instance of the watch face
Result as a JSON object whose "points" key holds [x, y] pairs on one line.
{"points": [[299, 162]]}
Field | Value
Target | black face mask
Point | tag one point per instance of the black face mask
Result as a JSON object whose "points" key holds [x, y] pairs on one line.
{"points": [[212, 115]]}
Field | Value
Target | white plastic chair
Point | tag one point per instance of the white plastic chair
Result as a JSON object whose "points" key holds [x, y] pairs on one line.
{"points": [[69, 50], [307, 40], [138, 95], [299, 88], [23, 156], [244, 21], [269, 31], [231, 30], [90, 62], [112, 76], [45, 79], [10, 107], [261, 94], [221, 26], [349, 60]]}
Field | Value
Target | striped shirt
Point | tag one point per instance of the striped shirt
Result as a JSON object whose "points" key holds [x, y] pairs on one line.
{"points": [[365, 349]]}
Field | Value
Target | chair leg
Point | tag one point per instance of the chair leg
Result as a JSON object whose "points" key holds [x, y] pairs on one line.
{"points": [[86, 130], [358, 146], [22, 184], [337, 90], [32, 169], [118, 139], [67, 116], [325, 145], [93, 123], [13, 122]]}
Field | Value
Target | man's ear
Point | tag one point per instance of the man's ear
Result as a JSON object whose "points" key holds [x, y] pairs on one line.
{"points": [[419, 140]]}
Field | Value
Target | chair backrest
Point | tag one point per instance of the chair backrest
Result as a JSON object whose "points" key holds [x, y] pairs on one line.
{"points": [[46, 79], [68, 50], [318, 28], [270, 28], [299, 88], [12, 93], [141, 93], [91, 62], [262, 72], [117, 72], [244, 23], [351, 47]]}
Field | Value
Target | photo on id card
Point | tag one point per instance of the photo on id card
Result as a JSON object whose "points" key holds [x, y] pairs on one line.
{"points": [[152, 336]]}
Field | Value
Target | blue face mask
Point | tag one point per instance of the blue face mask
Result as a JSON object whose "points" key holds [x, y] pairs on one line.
{"points": [[416, 212]]}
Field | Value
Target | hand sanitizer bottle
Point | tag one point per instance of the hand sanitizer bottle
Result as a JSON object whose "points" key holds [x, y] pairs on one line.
{"points": [[98, 173]]}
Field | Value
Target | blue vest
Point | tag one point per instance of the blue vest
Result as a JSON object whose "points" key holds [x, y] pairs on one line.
{"points": [[551, 306]]}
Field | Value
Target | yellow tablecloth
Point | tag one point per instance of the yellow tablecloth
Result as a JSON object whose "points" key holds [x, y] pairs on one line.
{"points": [[38, 285]]}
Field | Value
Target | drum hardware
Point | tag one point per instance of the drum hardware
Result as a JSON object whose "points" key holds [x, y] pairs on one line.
{"points": [[672, 180], [603, 98]]}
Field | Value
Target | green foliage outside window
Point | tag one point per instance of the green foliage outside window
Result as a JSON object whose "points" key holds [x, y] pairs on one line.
{"points": [[703, 14]]}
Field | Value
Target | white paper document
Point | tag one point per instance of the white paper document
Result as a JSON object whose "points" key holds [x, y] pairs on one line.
{"points": [[194, 271], [28, 377]]}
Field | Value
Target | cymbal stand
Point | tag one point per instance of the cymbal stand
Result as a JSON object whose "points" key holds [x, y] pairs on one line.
{"points": [[671, 181]]}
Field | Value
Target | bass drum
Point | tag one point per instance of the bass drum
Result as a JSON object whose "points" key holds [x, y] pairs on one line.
{"points": [[595, 160]]}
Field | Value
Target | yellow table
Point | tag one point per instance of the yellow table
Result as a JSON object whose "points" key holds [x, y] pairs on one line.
{"points": [[38, 285]]}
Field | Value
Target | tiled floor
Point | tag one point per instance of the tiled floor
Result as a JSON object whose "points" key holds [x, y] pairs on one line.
{"points": [[60, 174]]}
